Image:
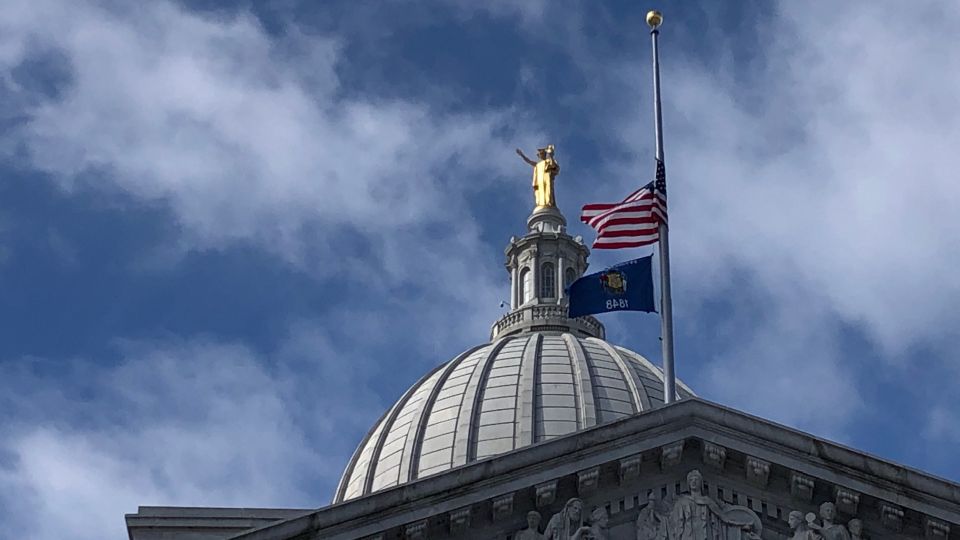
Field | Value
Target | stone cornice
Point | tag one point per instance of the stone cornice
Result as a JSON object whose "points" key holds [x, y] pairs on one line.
{"points": [[222, 520], [758, 450]]}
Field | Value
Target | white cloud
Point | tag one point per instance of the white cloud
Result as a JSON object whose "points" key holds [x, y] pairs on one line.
{"points": [[250, 138], [194, 422], [824, 172], [943, 426], [856, 205], [247, 137], [786, 368]]}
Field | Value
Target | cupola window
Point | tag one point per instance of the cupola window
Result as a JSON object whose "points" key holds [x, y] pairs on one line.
{"points": [[548, 281], [526, 286]]}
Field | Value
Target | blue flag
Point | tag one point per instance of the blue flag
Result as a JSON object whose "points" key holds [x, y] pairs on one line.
{"points": [[627, 286]]}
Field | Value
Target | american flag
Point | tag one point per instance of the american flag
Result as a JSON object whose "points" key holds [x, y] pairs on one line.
{"points": [[635, 221]]}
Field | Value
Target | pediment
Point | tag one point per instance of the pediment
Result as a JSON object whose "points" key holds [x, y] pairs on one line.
{"points": [[631, 480]]}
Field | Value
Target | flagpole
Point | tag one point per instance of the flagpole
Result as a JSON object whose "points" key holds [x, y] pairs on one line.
{"points": [[654, 19]]}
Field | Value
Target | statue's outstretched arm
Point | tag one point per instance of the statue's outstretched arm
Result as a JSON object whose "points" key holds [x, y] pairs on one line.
{"points": [[529, 161]]}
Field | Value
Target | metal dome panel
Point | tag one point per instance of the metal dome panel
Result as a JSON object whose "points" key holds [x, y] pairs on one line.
{"points": [[517, 391]]}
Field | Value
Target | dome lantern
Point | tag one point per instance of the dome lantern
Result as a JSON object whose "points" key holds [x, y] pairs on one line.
{"points": [[543, 263]]}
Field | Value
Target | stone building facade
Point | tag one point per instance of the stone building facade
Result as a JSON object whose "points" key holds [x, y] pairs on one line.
{"points": [[548, 431]]}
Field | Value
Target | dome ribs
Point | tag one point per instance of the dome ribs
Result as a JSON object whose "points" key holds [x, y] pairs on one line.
{"points": [[583, 384], [387, 425], [347, 480], [409, 467], [653, 373], [650, 375], [525, 430], [557, 394], [436, 453], [641, 400], [464, 445], [506, 394], [496, 414], [390, 462]]}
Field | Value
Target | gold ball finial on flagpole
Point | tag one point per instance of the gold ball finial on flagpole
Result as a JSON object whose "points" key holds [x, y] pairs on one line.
{"points": [[654, 19]]}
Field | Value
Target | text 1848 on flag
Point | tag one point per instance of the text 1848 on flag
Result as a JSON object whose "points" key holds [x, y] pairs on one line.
{"points": [[627, 286]]}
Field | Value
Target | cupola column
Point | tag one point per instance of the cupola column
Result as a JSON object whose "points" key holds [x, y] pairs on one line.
{"points": [[535, 272], [560, 283]]}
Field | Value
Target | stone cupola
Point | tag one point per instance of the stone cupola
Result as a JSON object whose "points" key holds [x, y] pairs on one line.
{"points": [[542, 264]]}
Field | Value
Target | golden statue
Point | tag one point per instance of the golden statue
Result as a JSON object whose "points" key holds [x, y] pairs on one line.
{"points": [[545, 172]]}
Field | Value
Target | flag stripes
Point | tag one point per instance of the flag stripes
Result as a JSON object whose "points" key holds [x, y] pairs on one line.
{"points": [[633, 222]]}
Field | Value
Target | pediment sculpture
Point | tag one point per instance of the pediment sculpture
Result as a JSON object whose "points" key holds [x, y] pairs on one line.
{"points": [[801, 528], [805, 527], [568, 524], [828, 529], [688, 516], [532, 532], [695, 516], [855, 528]]}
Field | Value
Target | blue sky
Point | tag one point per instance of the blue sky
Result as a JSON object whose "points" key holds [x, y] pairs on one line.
{"points": [[232, 233]]}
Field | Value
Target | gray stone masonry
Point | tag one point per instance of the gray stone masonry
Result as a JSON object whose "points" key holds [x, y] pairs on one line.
{"points": [[618, 470], [166, 522]]}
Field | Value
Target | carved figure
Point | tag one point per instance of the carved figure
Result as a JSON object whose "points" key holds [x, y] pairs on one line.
{"points": [[597, 530], [696, 516], [532, 532], [802, 529], [830, 530], [855, 528], [652, 521], [545, 172], [567, 524]]}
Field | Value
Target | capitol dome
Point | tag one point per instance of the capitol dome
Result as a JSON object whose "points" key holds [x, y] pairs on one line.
{"points": [[542, 375], [519, 390]]}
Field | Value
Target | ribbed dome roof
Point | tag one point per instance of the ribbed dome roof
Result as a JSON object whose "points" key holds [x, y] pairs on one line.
{"points": [[514, 392]]}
